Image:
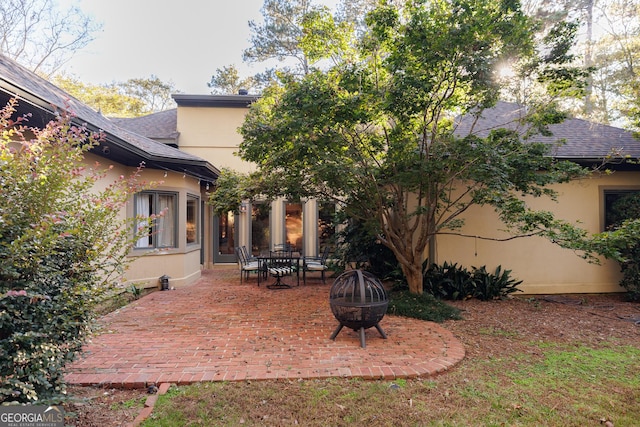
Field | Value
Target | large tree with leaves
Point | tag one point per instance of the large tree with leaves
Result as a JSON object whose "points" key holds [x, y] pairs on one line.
{"points": [[376, 133], [226, 81]]}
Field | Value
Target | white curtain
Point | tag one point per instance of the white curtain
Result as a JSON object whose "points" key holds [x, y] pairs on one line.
{"points": [[143, 206], [166, 221]]}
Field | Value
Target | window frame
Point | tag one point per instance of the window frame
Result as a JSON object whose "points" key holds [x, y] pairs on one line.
{"points": [[196, 220], [154, 210], [606, 202]]}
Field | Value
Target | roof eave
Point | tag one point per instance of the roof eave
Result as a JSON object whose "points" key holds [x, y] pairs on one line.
{"points": [[228, 101], [137, 155]]}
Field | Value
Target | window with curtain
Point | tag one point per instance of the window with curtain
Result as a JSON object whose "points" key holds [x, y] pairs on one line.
{"points": [[163, 207], [192, 219]]}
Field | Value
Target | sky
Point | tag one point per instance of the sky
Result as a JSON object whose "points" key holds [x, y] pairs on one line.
{"points": [[179, 41]]}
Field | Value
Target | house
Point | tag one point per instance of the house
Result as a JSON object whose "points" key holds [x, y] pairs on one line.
{"points": [[207, 126], [181, 146], [178, 246]]}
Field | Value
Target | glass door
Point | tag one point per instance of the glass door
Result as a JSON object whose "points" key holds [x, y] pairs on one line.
{"points": [[225, 238], [260, 231], [293, 225]]}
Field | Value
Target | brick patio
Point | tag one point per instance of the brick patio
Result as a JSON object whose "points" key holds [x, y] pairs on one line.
{"points": [[220, 330]]}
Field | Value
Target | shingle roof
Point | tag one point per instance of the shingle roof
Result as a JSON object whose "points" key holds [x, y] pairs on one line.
{"points": [[572, 139], [35, 90], [160, 125]]}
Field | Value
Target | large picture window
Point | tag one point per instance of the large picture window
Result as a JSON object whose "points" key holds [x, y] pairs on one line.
{"points": [[163, 207], [192, 219]]}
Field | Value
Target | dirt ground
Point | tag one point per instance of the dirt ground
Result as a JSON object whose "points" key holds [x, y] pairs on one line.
{"points": [[487, 330]]}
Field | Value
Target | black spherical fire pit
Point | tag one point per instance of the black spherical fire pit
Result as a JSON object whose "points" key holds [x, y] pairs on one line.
{"points": [[358, 301]]}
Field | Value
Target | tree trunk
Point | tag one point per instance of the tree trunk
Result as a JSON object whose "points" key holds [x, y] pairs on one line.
{"points": [[413, 274]]}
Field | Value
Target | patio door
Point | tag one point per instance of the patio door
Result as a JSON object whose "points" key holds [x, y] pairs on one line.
{"points": [[260, 228], [293, 225], [225, 238]]}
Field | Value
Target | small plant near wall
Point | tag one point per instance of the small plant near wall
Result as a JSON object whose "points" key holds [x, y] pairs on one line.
{"points": [[134, 291]]}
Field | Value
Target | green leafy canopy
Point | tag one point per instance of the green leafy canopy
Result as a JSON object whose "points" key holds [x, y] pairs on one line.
{"points": [[376, 131]]}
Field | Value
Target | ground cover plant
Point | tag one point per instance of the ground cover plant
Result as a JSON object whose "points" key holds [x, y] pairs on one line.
{"points": [[530, 361]]}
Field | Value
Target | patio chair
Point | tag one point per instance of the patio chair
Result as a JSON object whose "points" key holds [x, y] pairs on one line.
{"points": [[281, 264], [245, 265], [315, 264], [247, 256], [282, 247]]}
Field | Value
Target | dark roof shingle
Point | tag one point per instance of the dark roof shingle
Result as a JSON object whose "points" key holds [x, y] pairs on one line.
{"points": [[160, 125], [33, 89], [572, 139]]}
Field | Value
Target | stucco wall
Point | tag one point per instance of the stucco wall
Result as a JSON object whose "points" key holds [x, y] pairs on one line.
{"points": [[542, 266], [212, 133], [182, 263]]}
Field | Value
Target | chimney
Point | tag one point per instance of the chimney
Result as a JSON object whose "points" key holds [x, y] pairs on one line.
{"points": [[243, 92]]}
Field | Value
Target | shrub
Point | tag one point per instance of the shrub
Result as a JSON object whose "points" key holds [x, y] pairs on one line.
{"points": [[450, 281], [359, 248], [424, 307], [62, 245]]}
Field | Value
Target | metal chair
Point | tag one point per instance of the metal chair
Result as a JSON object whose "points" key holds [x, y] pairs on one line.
{"points": [[315, 264], [280, 264], [247, 256], [245, 265]]}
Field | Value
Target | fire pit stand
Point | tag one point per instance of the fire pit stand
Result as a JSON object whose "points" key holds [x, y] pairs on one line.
{"points": [[358, 301]]}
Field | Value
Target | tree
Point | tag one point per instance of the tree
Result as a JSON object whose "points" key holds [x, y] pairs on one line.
{"points": [[227, 80], [133, 98], [107, 99], [279, 36], [617, 54], [40, 35], [376, 133], [63, 245], [153, 92]]}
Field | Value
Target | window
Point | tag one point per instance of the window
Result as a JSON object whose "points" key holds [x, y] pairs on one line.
{"points": [[619, 205], [158, 213], [293, 225], [227, 234], [260, 232], [326, 226], [192, 219]]}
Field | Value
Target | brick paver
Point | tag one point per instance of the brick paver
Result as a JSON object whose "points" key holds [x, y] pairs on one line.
{"points": [[220, 330]]}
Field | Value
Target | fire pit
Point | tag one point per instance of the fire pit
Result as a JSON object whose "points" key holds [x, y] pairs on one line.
{"points": [[358, 301]]}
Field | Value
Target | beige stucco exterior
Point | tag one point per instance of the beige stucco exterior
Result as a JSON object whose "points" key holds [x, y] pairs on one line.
{"points": [[212, 133], [182, 263], [543, 266]]}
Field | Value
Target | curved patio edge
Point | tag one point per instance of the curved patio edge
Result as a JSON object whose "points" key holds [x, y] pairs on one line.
{"points": [[221, 330]]}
